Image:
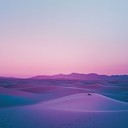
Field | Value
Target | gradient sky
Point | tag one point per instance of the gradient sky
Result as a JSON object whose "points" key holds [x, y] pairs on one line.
{"points": [[63, 36]]}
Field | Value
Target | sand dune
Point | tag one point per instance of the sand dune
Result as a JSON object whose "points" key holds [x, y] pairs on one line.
{"points": [[74, 111], [63, 104], [85, 102]]}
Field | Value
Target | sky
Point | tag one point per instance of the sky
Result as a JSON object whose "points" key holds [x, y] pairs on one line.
{"points": [[63, 36]]}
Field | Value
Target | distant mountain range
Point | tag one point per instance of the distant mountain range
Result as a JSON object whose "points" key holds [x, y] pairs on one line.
{"points": [[91, 76], [63, 79], [77, 76]]}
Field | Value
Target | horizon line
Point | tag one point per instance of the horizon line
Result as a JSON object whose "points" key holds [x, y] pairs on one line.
{"points": [[27, 77]]}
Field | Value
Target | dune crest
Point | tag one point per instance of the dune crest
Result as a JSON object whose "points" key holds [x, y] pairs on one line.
{"points": [[85, 102]]}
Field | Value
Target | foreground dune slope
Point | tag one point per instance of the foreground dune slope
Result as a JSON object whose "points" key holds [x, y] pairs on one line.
{"points": [[85, 102], [73, 111]]}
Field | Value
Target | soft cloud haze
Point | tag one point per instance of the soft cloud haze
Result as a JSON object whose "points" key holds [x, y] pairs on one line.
{"points": [[63, 36]]}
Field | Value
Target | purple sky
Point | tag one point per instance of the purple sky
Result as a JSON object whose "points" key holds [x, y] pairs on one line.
{"points": [[63, 36]]}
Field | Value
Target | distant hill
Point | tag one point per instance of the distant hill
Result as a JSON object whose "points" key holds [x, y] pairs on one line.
{"points": [[72, 76], [91, 76], [73, 79]]}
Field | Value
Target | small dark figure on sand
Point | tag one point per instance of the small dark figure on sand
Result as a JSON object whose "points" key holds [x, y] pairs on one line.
{"points": [[89, 94]]}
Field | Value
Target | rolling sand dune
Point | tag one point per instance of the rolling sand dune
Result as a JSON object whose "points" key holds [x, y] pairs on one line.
{"points": [[61, 103], [12, 97], [85, 102], [14, 92], [74, 111]]}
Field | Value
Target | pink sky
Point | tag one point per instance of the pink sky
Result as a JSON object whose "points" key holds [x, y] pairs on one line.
{"points": [[63, 37]]}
